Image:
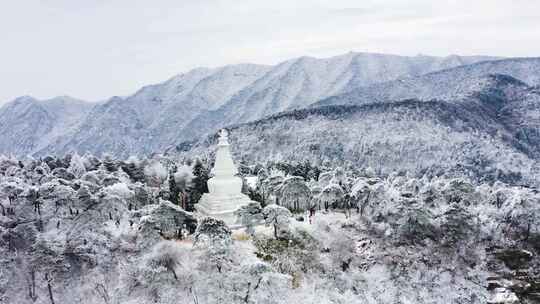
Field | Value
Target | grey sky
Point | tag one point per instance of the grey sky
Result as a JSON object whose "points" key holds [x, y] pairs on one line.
{"points": [[93, 49]]}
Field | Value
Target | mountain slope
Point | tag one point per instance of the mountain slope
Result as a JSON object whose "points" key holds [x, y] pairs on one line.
{"points": [[28, 124], [298, 83], [522, 116], [417, 136], [152, 117], [449, 84], [200, 101]]}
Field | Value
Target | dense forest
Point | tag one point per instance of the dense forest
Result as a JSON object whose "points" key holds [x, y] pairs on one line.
{"points": [[84, 229]]}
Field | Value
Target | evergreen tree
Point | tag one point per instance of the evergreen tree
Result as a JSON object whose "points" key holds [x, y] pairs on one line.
{"points": [[199, 183], [175, 191], [201, 174], [110, 163], [134, 170], [183, 179]]}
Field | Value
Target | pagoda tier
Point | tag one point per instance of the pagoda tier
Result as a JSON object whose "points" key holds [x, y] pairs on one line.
{"points": [[225, 188]]}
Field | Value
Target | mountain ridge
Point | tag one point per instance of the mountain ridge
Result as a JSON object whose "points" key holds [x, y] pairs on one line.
{"points": [[30, 124], [425, 86], [407, 135], [201, 100]]}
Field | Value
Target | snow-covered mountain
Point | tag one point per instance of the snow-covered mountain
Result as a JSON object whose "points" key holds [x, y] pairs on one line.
{"points": [[421, 187], [202, 100], [449, 84], [464, 119], [487, 125], [153, 116], [468, 137], [298, 83], [28, 125], [522, 116]]}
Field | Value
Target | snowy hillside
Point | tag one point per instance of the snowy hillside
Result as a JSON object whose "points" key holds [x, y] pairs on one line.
{"points": [[28, 125], [466, 138], [522, 116], [202, 100], [298, 83], [152, 117], [449, 84]]}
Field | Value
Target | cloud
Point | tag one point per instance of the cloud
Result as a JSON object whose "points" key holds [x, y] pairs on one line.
{"points": [[96, 49]]}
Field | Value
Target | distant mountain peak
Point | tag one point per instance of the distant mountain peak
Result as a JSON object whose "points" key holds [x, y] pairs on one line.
{"points": [[199, 101]]}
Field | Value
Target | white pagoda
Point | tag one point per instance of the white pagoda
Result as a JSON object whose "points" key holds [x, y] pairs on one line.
{"points": [[225, 188]]}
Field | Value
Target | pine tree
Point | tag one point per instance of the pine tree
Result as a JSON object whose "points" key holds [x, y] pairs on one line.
{"points": [[199, 184], [175, 191], [109, 163], [201, 177], [134, 169]]}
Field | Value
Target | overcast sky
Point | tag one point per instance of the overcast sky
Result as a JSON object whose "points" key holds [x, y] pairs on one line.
{"points": [[94, 49]]}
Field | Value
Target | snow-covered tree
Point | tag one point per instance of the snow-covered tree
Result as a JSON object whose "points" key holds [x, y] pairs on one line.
{"points": [[199, 180], [294, 194], [269, 188], [76, 166], [156, 173], [109, 162], [279, 218], [325, 178], [250, 215], [183, 179], [213, 237], [331, 195], [360, 194], [134, 168], [91, 162]]}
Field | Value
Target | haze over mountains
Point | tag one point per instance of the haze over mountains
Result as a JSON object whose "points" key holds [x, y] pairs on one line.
{"points": [[200, 101]]}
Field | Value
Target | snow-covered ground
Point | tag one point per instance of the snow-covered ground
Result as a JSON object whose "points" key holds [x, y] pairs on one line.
{"points": [[87, 230]]}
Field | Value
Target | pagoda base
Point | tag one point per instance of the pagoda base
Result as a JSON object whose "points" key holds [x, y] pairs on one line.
{"points": [[222, 207]]}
